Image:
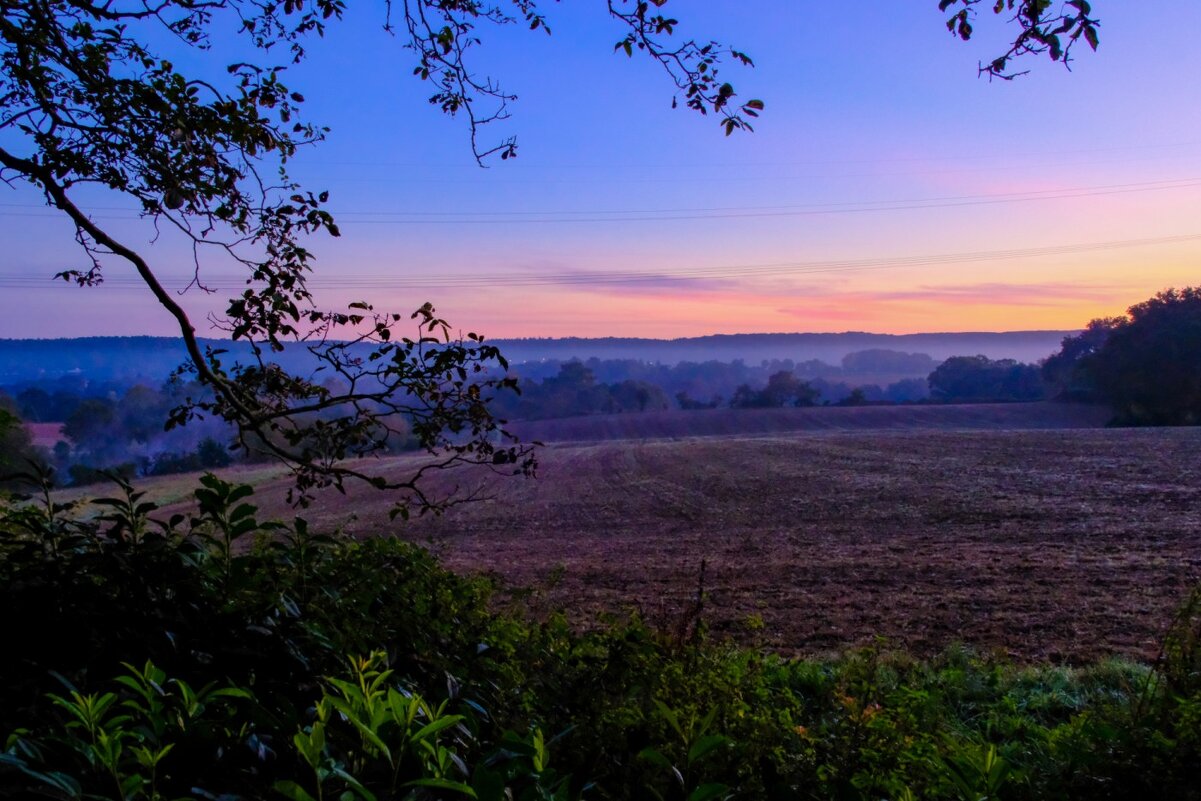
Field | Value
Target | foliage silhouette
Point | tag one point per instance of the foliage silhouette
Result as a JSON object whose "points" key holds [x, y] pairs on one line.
{"points": [[94, 97], [1146, 365]]}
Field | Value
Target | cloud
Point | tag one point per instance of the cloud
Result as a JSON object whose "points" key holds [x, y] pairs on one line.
{"points": [[1002, 294], [862, 305]]}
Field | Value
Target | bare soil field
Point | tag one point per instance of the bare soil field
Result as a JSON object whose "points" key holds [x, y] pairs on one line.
{"points": [[45, 435], [1046, 544]]}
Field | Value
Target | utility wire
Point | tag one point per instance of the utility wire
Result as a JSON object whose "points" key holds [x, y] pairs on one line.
{"points": [[507, 217], [608, 167], [726, 272]]}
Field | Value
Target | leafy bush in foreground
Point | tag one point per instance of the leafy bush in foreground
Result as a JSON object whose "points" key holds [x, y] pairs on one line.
{"points": [[219, 656]]}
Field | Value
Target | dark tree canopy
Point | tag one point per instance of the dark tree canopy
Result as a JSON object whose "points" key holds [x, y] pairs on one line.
{"points": [[15, 445], [1064, 372], [980, 379], [1147, 365], [91, 96]]}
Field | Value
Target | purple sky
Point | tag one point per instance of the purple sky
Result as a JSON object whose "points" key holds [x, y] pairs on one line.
{"points": [[887, 188]]}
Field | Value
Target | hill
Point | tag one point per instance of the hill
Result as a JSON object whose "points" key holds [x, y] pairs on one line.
{"points": [[1025, 346], [151, 359]]}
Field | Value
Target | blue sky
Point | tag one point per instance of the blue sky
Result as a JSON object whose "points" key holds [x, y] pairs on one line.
{"points": [[879, 149]]}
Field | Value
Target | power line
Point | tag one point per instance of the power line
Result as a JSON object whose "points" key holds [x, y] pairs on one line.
{"points": [[508, 217], [726, 272], [862, 207], [1023, 158]]}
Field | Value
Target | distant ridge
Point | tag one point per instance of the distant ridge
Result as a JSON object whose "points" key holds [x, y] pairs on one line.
{"points": [[151, 359], [1027, 346]]}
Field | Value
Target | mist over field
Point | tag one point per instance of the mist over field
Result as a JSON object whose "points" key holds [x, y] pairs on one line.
{"points": [[153, 358], [101, 404]]}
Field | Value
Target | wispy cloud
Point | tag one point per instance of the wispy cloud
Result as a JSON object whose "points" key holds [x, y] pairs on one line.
{"points": [[861, 305], [830, 313], [1003, 294], [650, 284]]}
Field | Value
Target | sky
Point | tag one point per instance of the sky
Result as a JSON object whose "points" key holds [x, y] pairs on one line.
{"points": [[886, 188]]}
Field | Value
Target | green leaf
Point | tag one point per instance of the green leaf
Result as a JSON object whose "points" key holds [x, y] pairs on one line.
{"points": [[354, 783], [436, 726], [292, 790], [670, 716], [444, 784], [705, 746], [656, 758], [707, 792]]}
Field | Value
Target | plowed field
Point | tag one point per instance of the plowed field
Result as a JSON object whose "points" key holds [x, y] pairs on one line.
{"points": [[1060, 544]]}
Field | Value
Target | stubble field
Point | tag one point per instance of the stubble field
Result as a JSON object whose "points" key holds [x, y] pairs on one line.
{"points": [[1061, 544]]}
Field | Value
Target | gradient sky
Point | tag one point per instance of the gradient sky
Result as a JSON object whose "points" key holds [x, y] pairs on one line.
{"points": [[880, 147]]}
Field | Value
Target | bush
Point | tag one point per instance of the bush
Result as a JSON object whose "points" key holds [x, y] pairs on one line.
{"points": [[82, 475]]}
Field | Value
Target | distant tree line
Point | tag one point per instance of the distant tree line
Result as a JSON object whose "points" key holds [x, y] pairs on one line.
{"points": [[783, 389], [608, 386], [880, 375], [1147, 365], [575, 390], [124, 431], [975, 379]]}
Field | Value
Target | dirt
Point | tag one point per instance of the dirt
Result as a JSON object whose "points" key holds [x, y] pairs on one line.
{"points": [[1059, 544], [45, 435]]}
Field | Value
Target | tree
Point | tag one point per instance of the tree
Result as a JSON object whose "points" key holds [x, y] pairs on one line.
{"points": [[1043, 29], [90, 98], [35, 403], [632, 395], [688, 404], [142, 412], [979, 378], [1149, 365], [16, 448], [212, 453], [783, 389], [858, 397], [1066, 373], [94, 427]]}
